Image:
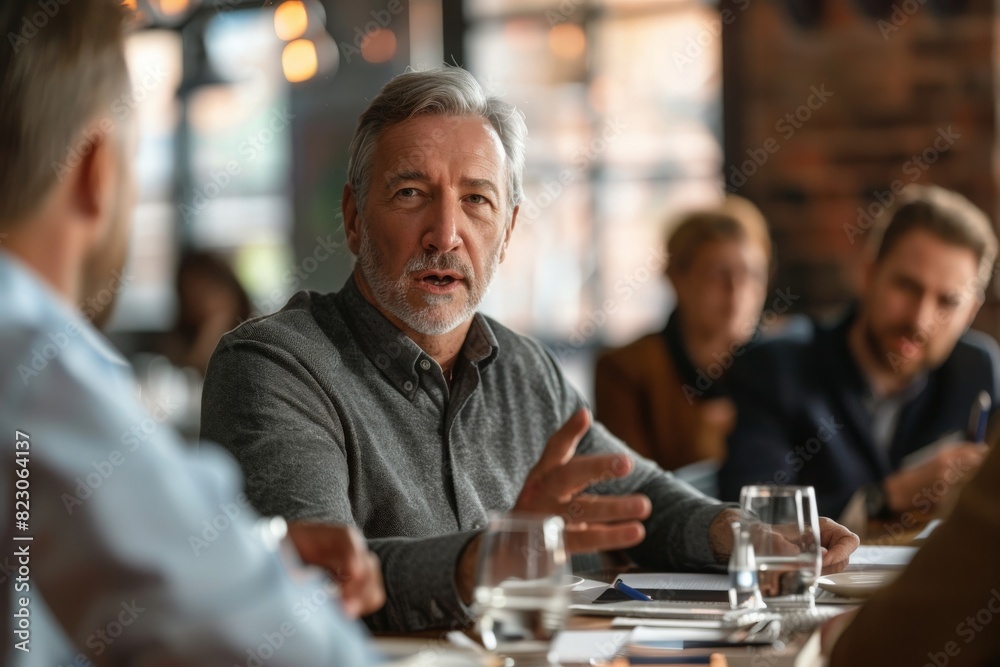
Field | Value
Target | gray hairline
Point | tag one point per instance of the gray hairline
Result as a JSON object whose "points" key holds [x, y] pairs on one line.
{"points": [[457, 94]]}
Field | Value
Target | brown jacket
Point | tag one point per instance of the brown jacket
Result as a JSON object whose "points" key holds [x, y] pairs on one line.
{"points": [[944, 609], [639, 396]]}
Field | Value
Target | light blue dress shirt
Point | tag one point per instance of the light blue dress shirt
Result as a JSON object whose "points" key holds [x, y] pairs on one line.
{"points": [[142, 552]]}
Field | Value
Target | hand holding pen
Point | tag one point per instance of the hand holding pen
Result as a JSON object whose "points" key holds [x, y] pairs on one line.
{"points": [[979, 417]]}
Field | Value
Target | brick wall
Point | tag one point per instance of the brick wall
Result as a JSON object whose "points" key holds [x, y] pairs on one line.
{"points": [[822, 119]]}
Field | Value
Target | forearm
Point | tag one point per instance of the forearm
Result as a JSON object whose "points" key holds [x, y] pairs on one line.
{"points": [[428, 582], [679, 534], [677, 530]]}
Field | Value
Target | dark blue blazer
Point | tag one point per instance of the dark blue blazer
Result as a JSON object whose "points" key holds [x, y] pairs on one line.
{"points": [[801, 418]]}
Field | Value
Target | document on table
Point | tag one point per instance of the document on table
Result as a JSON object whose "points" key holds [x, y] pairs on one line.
{"points": [[709, 611], [872, 556], [586, 646], [678, 581]]}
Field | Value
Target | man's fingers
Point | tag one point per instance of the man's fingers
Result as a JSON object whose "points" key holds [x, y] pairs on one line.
{"points": [[364, 593], [840, 543], [562, 445], [576, 475], [607, 509], [604, 537], [342, 551]]}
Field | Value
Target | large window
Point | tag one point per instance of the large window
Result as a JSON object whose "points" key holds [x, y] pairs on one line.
{"points": [[623, 109]]}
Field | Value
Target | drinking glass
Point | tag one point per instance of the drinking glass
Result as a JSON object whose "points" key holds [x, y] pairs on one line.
{"points": [[521, 595], [784, 527]]}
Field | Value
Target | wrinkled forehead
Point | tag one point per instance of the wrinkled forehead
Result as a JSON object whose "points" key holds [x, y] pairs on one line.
{"points": [[426, 141]]}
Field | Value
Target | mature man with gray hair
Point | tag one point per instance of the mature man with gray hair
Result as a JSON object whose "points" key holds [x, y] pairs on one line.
{"points": [[395, 406]]}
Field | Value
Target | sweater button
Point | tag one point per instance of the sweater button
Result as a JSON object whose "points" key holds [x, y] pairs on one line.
{"points": [[408, 386], [426, 365]]}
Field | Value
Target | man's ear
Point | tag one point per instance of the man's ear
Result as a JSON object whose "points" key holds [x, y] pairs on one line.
{"points": [[93, 182], [352, 230], [507, 234], [980, 300]]}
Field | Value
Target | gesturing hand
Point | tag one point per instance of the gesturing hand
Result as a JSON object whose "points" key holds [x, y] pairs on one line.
{"points": [[342, 551], [908, 488], [555, 485]]}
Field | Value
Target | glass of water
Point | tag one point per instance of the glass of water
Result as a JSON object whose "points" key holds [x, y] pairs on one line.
{"points": [[784, 527], [521, 595]]}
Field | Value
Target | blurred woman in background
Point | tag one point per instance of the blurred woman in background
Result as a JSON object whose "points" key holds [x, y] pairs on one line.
{"points": [[210, 302], [664, 394]]}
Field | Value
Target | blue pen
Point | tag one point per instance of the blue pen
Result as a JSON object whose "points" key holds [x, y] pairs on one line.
{"points": [[631, 592], [980, 415]]}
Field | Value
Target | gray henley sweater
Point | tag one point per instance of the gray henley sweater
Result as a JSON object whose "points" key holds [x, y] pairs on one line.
{"points": [[335, 415]]}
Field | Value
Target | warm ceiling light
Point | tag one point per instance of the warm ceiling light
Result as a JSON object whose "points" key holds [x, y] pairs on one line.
{"points": [[172, 8], [567, 41], [130, 4], [379, 46], [299, 61], [291, 20]]}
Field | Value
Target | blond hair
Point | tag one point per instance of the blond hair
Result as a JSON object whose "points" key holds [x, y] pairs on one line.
{"points": [[734, 219]]}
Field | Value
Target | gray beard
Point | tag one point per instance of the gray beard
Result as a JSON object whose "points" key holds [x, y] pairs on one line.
{"points": [[391, 294]]}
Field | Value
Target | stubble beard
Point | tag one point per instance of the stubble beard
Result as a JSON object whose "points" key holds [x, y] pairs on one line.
{"points": [[392, 294]]}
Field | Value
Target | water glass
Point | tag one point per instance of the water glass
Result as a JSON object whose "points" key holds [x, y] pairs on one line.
{"points": [[521, 595], [784, 528]]}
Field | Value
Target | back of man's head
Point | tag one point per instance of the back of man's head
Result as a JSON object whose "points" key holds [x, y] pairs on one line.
{"points": [[62, 65], [944, 214]]}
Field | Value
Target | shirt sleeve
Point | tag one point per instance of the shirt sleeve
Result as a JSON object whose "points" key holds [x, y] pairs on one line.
{"points": [[258, 400], [145, 552]]}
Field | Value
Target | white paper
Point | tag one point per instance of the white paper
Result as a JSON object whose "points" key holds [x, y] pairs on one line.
{"points": [[580, 646], [873, 556], [677, 581], [676, 623], [931, 527], [651, 634]]}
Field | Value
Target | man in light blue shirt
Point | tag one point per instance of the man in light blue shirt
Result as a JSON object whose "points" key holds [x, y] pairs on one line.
{"points": [[118, 546]]}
